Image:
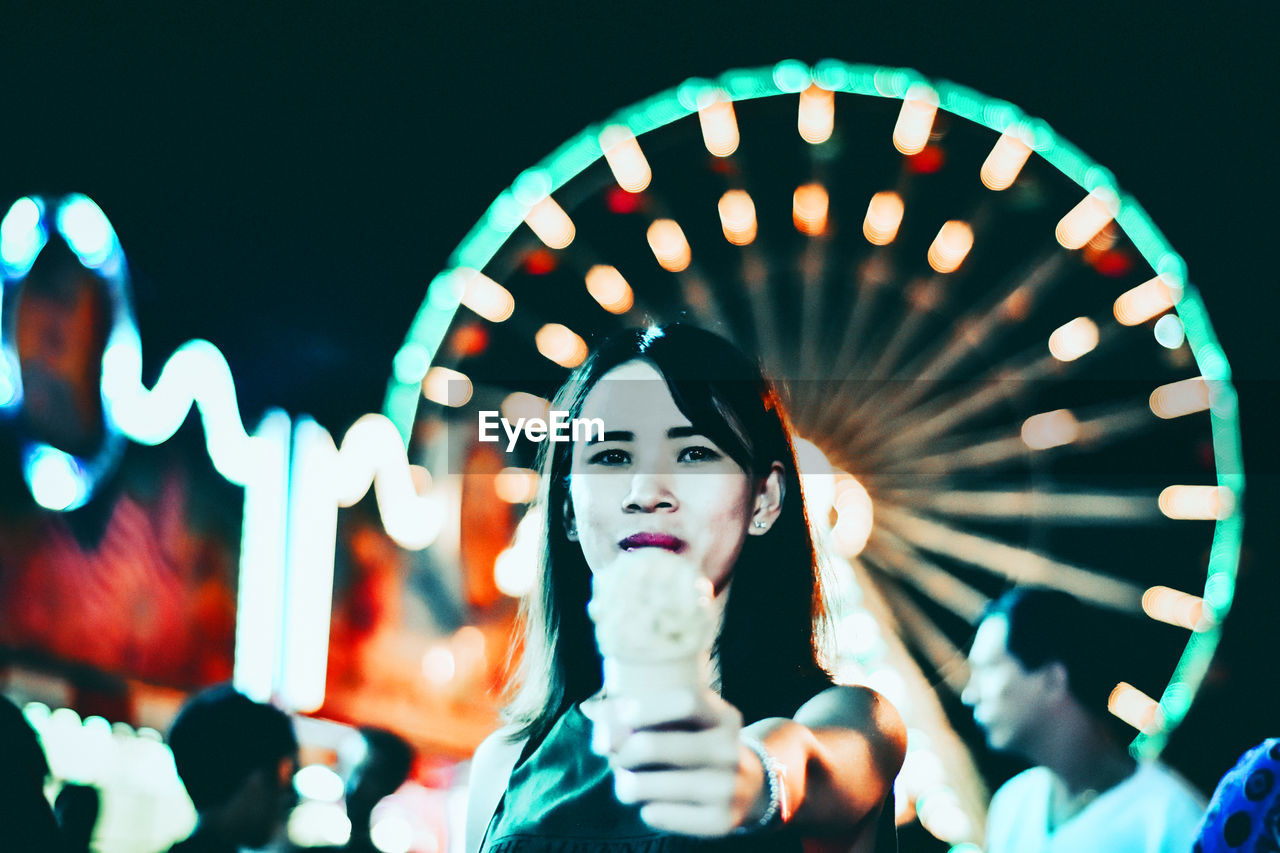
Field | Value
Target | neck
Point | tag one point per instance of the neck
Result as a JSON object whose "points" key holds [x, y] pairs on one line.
{"points": [[718, 602], [360, 828], [1081, 754]]}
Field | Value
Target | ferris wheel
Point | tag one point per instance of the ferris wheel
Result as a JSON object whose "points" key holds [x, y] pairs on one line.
{"points": [[1001, 369]]}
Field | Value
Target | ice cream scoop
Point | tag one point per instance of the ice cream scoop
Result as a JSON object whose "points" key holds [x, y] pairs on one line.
{"points": [[654, 622]]}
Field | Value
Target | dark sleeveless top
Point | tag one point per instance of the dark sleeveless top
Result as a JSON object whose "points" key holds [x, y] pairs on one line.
{"points": [[560, 800]]}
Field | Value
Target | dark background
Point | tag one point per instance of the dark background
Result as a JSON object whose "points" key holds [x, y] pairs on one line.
{"points": [[286, 178]]}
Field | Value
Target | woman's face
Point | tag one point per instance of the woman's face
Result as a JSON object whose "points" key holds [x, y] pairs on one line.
{"points": [[654, 482]]}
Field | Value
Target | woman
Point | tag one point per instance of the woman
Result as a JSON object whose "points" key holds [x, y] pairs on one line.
{"points": [[696, 460]]}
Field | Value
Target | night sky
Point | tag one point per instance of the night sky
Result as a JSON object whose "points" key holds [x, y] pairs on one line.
{"points": [[286, 178]]}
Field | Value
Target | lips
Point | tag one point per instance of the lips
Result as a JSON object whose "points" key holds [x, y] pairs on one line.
{"points": [[665, 541]]}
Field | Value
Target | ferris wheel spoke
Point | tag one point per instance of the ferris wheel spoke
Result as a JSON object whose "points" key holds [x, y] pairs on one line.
{"points": [[1089, 434], [928, 714], [671, 249], [973, 334], [736, 210], [754, 274], [1019, 505], [1020, 565], [1005, 384], [699, 296], [904, 561], [873, 441], [922, 308], [929, 294], [811, 270], [930, 642], [871, 280]]}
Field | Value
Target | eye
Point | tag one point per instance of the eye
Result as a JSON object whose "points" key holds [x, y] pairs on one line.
{"points": [[609, 456], [699, 453]]}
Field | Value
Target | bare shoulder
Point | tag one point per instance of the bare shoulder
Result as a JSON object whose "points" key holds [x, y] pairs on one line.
{"points": [[496, 748], [854, 707], [863, 737], [491, 767]]}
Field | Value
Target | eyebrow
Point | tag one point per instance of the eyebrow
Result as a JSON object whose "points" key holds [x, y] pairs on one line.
{"points": [[623, 435], [614, 435]]}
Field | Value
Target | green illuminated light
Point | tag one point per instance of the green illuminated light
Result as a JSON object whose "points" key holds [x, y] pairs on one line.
{"points": [[401, 408], [1001, 115], [1212, 361], [531, 187], [411, 363], [741, 86], [791, 75], [1177, 697], [445, 291], [689, 93], [893, 82], [481, 245], [967, 103], [506, 213], [1170, 263], [658, 114], [1218, 591], [922, 92], [1096, 177], [578, 153], [831, 74], [1041, 133]]}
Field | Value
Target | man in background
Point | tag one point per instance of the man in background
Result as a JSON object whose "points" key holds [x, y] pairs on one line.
{"points": [[376, 762], [1037, 689], [237, 759]]}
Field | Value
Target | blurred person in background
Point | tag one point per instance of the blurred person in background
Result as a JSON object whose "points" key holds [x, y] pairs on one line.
{"points": [[26, 820], [380, 761], [237, 759], [1038, 689], [76, 810]]}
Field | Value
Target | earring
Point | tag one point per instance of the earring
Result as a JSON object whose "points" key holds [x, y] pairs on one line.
{"points": [[759, 525]]}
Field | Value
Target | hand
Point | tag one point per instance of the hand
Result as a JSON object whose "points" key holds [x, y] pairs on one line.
{"points": [[678, 756]]}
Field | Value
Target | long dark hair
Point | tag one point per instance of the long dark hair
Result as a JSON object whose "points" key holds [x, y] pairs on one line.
{"points": [[767, 652]]}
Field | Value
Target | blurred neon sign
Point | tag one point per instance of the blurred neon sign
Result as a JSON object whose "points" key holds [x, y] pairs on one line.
{"points": [[294, 478]]}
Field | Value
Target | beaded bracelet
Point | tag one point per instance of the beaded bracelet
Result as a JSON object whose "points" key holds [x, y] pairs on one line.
{"points": [[776, 811]]}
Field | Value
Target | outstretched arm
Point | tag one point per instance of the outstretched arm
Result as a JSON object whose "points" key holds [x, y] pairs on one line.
{"points": [[841, 752], [685, 762]]}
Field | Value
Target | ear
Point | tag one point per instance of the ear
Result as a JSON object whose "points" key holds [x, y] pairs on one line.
{"points": [[570, 523], [253, 789], [1056, 680], [768, 501]]}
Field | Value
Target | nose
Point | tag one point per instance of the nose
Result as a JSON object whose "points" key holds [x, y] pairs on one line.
{"points": [[650, 492], [969, 695]]}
